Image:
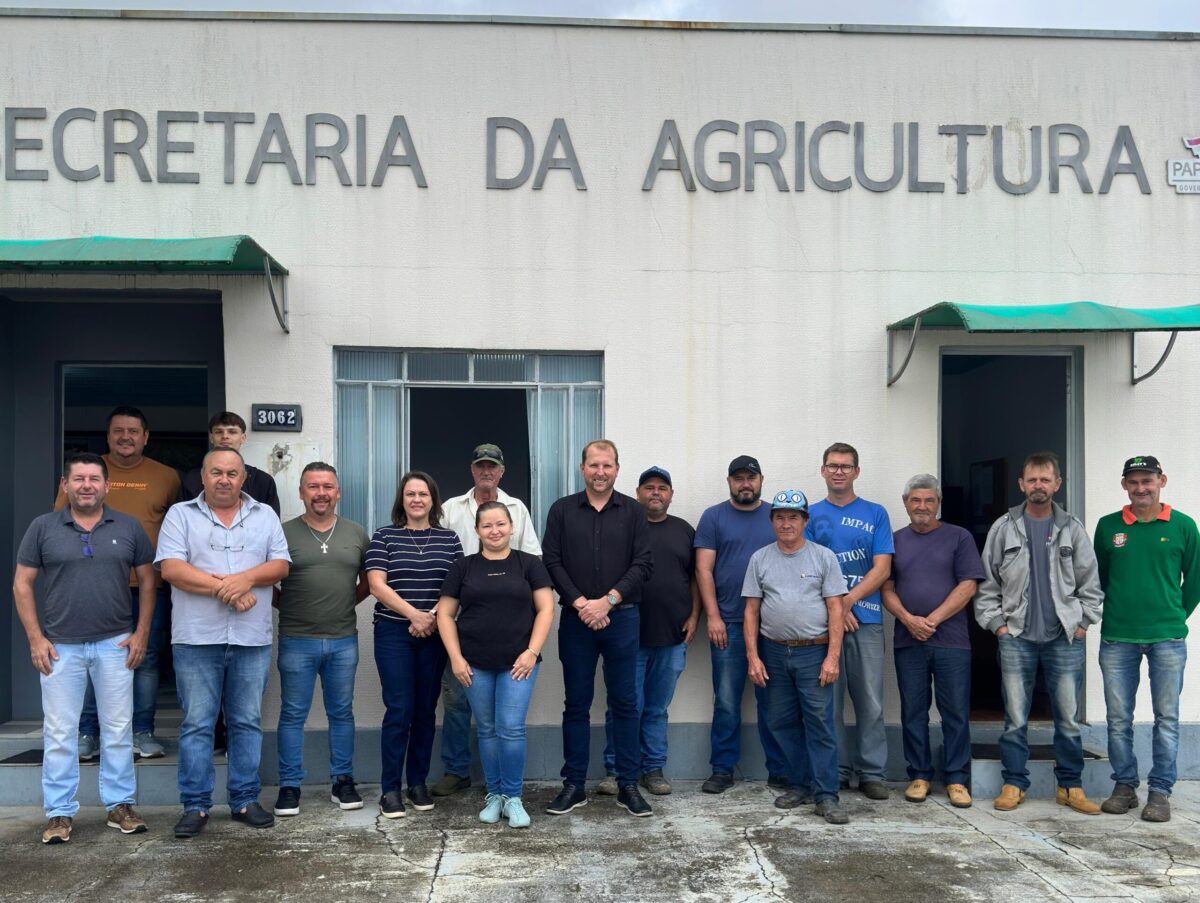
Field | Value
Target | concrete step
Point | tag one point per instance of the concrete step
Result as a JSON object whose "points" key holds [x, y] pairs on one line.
{"points": [[986, 778], [21, 781]]}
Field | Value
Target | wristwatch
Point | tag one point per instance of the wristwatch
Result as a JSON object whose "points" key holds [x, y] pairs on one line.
{"points": [[612, 600]]}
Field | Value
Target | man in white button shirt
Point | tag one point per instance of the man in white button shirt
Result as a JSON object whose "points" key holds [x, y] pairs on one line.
{"points": [[458, 514]]}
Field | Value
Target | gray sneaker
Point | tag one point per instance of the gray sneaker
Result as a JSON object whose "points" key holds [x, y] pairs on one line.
{"points": [[1157, 808], [89, 747], [608, 787], [146, 746]]}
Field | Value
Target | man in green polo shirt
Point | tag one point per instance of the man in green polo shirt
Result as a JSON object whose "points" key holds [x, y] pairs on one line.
{"points": [[1149, 557]]}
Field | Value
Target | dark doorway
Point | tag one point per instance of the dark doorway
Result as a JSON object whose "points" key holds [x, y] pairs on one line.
{"points": [[446, 424], [996, 409]]}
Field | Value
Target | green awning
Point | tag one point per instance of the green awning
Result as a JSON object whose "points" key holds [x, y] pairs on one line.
{"points": [[1078, 316], [224, 254]]}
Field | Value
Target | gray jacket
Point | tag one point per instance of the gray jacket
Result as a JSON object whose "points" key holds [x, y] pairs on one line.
{"points": [[1003, 596]]}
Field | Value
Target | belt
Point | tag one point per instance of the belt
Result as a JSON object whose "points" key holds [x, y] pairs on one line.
{"points": [[822, 640]]}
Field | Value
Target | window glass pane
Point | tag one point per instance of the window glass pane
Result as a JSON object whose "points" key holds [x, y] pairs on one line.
{"points": [[571, 368], [386, 451], [370, 365], [438, 365], [552, 459], [588, 422], [491, 367], [352, 454]]}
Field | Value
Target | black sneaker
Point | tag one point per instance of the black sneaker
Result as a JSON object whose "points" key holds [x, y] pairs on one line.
{"points": [[288, 801], [630, 799], [832, 812], [717, 783], [391, 805], [191, 824], [253, 815], [345, 794], [418, 795], [570, 797], [778, 782]]}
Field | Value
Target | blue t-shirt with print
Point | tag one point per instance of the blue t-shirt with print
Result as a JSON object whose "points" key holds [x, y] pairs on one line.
{"points": [[734, 535], [856, 533]]}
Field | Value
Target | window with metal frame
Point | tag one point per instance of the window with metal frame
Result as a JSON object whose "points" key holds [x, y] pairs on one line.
{"points": [[564, 395]]}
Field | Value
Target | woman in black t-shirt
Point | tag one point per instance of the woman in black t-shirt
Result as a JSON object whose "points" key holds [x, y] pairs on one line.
{"points": [[504, 608]]}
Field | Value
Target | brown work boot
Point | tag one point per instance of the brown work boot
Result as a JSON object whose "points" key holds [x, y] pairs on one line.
{"points": [[1076, 799], [125, 819], [960, 797], [58, 830], [917, 791], [1010, 797]]}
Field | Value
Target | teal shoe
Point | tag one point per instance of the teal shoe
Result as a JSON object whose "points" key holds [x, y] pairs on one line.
{"points": [[493, 806], [514, 811]]}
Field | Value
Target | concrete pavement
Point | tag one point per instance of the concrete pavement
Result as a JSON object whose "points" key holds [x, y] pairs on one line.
{"points": [[735, 847]]}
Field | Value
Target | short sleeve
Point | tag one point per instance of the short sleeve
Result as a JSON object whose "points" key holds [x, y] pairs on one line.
{"points": [[536, 574], [834, 582], [452, 585], [376, 558], [967, 563], [752, 584], [706, 531], [881, 539], [279, 548], [143, 550], [29, 553], [173, 536]]}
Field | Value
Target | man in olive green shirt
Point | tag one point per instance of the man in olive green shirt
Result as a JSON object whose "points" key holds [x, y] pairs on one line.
{"points": [[1149, 559], [318, 635]]}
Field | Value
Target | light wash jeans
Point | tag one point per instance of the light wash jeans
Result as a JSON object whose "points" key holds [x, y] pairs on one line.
{"points": [[300, 660], [1121, 664], [103, 662], [500, 705]]}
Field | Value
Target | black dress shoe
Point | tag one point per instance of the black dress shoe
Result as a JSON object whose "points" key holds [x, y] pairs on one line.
{"points": [[717, 783], [253, 815], [632, 801], [570, 797], [418, 795], [191, 824]]}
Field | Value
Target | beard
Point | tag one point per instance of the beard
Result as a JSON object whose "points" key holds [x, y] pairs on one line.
{"points": [[746, 496]]}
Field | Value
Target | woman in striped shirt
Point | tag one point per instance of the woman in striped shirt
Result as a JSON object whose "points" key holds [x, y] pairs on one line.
{"points": [[406, 564]]}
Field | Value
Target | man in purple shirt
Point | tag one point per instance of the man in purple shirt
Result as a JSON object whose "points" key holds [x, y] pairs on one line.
{"points": [[935, 571]]}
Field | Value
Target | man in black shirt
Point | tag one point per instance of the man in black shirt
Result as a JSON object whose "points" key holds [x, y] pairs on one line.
{"points": [[669, 611], [597, 549]]}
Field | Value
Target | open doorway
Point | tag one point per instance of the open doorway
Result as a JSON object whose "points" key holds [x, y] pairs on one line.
{"points": [[997, 408], [446, 424]]}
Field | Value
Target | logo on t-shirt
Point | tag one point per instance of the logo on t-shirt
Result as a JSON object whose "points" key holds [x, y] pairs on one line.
{"points": [[1119, 539]]}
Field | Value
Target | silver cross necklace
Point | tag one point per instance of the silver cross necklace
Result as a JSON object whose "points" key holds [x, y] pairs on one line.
{"points": [[324, 543]]}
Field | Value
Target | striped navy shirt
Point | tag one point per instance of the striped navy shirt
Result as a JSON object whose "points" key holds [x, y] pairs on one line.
{"points": [[416, 562]]}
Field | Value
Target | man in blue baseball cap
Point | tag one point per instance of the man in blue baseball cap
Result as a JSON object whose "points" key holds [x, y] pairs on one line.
{"points": [[793, 627]]}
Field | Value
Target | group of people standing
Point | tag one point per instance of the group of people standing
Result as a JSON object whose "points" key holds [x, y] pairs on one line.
{"points": [[464, 594]]}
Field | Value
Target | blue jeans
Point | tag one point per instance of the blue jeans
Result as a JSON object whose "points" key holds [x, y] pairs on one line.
{"points": [[579, 648], [949, 670], [500, 704], [1120, 663], [103, 662], [456, 726], [410, 674], [206, 675], [145, 678], [658, 670], [729, 675], [1062, 666], [300, 660], [800, 712], [864, 751]]}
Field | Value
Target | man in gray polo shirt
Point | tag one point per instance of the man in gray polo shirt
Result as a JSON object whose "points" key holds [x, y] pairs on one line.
{"points": [[221, 552], [793, 630], [86, 631]]}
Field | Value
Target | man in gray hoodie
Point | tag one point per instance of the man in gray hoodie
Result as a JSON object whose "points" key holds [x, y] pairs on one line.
{"points": [[1040, 594]]}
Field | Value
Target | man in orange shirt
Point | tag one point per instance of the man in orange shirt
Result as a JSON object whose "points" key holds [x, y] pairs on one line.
{"points": [[144, 489]]}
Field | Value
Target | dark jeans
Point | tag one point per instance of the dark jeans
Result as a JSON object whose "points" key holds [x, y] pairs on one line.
{"points": [[800, 711], [579, 648], [1062, 666], [410, 673], [949, 671]]}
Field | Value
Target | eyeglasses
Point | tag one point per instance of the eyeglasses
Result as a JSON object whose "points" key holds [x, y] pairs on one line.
{"points": [[86, 539], [840, 468], [223, 545]]}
